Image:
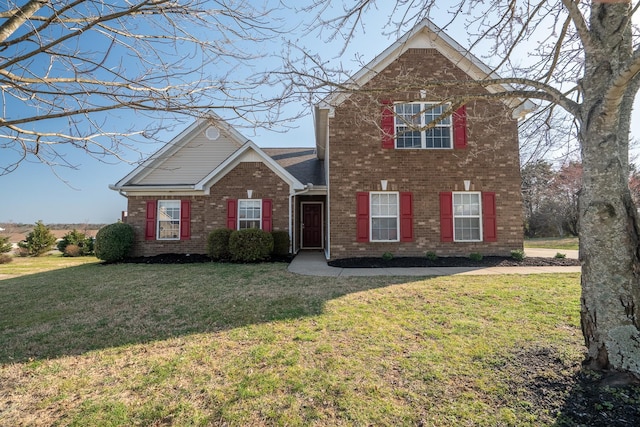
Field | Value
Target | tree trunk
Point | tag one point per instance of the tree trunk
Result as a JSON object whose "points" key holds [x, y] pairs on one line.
{"points": [[610, 301]]}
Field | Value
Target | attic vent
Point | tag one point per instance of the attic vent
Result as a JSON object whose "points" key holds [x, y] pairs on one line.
{"points": [[212, 133]]}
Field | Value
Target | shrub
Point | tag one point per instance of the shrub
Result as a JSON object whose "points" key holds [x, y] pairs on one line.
{"points": [[84, 244], [72, 251], [218, 243], [430, 255], [250, 245], [475, 256], [387, 256], [560, 255], [114, 241], [517, 254], [5, 245], [281, 243], [5, 258], [39, 241], [21, 252]]}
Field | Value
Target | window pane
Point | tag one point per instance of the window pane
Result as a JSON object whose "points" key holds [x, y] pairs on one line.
{"points": [[384, 229], [467, 228]]}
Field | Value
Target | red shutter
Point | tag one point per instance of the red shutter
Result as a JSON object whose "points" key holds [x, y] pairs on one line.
{"points": [[460, 128], [446, 217], [387, 125], [150, 229], [232, 214], [362, 217], [267, 222], [489, 223], [406, 217], [185, 219]]}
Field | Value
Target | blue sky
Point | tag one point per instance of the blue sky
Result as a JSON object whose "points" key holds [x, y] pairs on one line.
{"points": [[35, 192]]}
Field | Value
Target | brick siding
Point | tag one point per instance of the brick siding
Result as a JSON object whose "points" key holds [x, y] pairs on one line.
{"points": [[358, 163], [209, 212]]}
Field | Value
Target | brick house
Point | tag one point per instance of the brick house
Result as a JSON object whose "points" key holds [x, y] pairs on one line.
{"points": [[391, 171]]}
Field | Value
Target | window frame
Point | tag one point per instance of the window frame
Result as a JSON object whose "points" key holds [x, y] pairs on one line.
{"points": [[424, 107], [159, 220], [456, 216], [259, 202], [372, 216]]}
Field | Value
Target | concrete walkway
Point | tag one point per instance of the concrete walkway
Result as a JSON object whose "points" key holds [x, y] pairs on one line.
{"points": [[313, 263]]}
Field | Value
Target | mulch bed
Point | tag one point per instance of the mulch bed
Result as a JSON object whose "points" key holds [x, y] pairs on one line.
{"points": [[488, 261], [376, 262]]}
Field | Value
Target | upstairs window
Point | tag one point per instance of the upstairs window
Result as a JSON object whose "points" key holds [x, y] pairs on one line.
{"points": [[249, 214], [411, 120]]}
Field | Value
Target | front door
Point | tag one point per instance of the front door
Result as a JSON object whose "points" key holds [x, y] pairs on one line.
{"points": [[311, 225]]}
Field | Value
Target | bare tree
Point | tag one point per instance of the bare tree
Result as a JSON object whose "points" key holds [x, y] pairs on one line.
{"points": [[581, 57], [65, 64]]}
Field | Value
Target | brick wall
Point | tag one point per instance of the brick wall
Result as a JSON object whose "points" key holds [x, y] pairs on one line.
{"points": [[358, 163], [209, 212]]}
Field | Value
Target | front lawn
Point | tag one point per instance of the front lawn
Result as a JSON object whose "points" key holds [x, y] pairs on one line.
{"points": [[237, 345]]}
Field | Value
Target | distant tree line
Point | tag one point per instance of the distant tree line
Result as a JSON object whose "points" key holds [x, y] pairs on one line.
{"points": [[550, 197]]}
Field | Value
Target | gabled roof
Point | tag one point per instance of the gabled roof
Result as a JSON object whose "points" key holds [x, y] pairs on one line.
{"points": [[425, 34], [248, 148], [205, 162]]}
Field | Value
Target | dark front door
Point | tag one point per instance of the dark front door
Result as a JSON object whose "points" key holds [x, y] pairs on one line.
{"points": [[312, 225]]}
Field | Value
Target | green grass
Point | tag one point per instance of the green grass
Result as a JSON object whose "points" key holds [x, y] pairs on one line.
{"points": [[211, 344], [570, 243]]}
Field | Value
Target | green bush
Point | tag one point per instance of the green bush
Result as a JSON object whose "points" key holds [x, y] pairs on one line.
{"points": [[5, 245], [560, 255], [218, 243], [517, 254], [281, 243], [387, 256], [475, 256], [431, 255], [250, 245], [39, 241], [114, 241], [5, 258], [84, 244]]}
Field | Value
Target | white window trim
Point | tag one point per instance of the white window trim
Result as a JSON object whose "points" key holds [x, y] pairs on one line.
{"points": [[238, 213], [158, 219], [423, 135], [397, 216], [453, 207]]}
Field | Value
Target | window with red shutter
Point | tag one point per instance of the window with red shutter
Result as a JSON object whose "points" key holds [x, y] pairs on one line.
{"points": [[446, 217], [489, 217], [387, 125], [185, 220], [362, 217], [232, 214], [267, 222], [150, 226], [406, 217], [460, 128]]}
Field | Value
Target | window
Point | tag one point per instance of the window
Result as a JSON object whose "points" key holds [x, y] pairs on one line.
{"points": [[466, 217], [168, 220], [384, 217], [249, 214], [411, 118]]}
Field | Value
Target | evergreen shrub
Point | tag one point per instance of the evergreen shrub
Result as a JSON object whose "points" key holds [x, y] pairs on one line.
{"points": [[218, 244], [114, 241], [250, 245]]}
